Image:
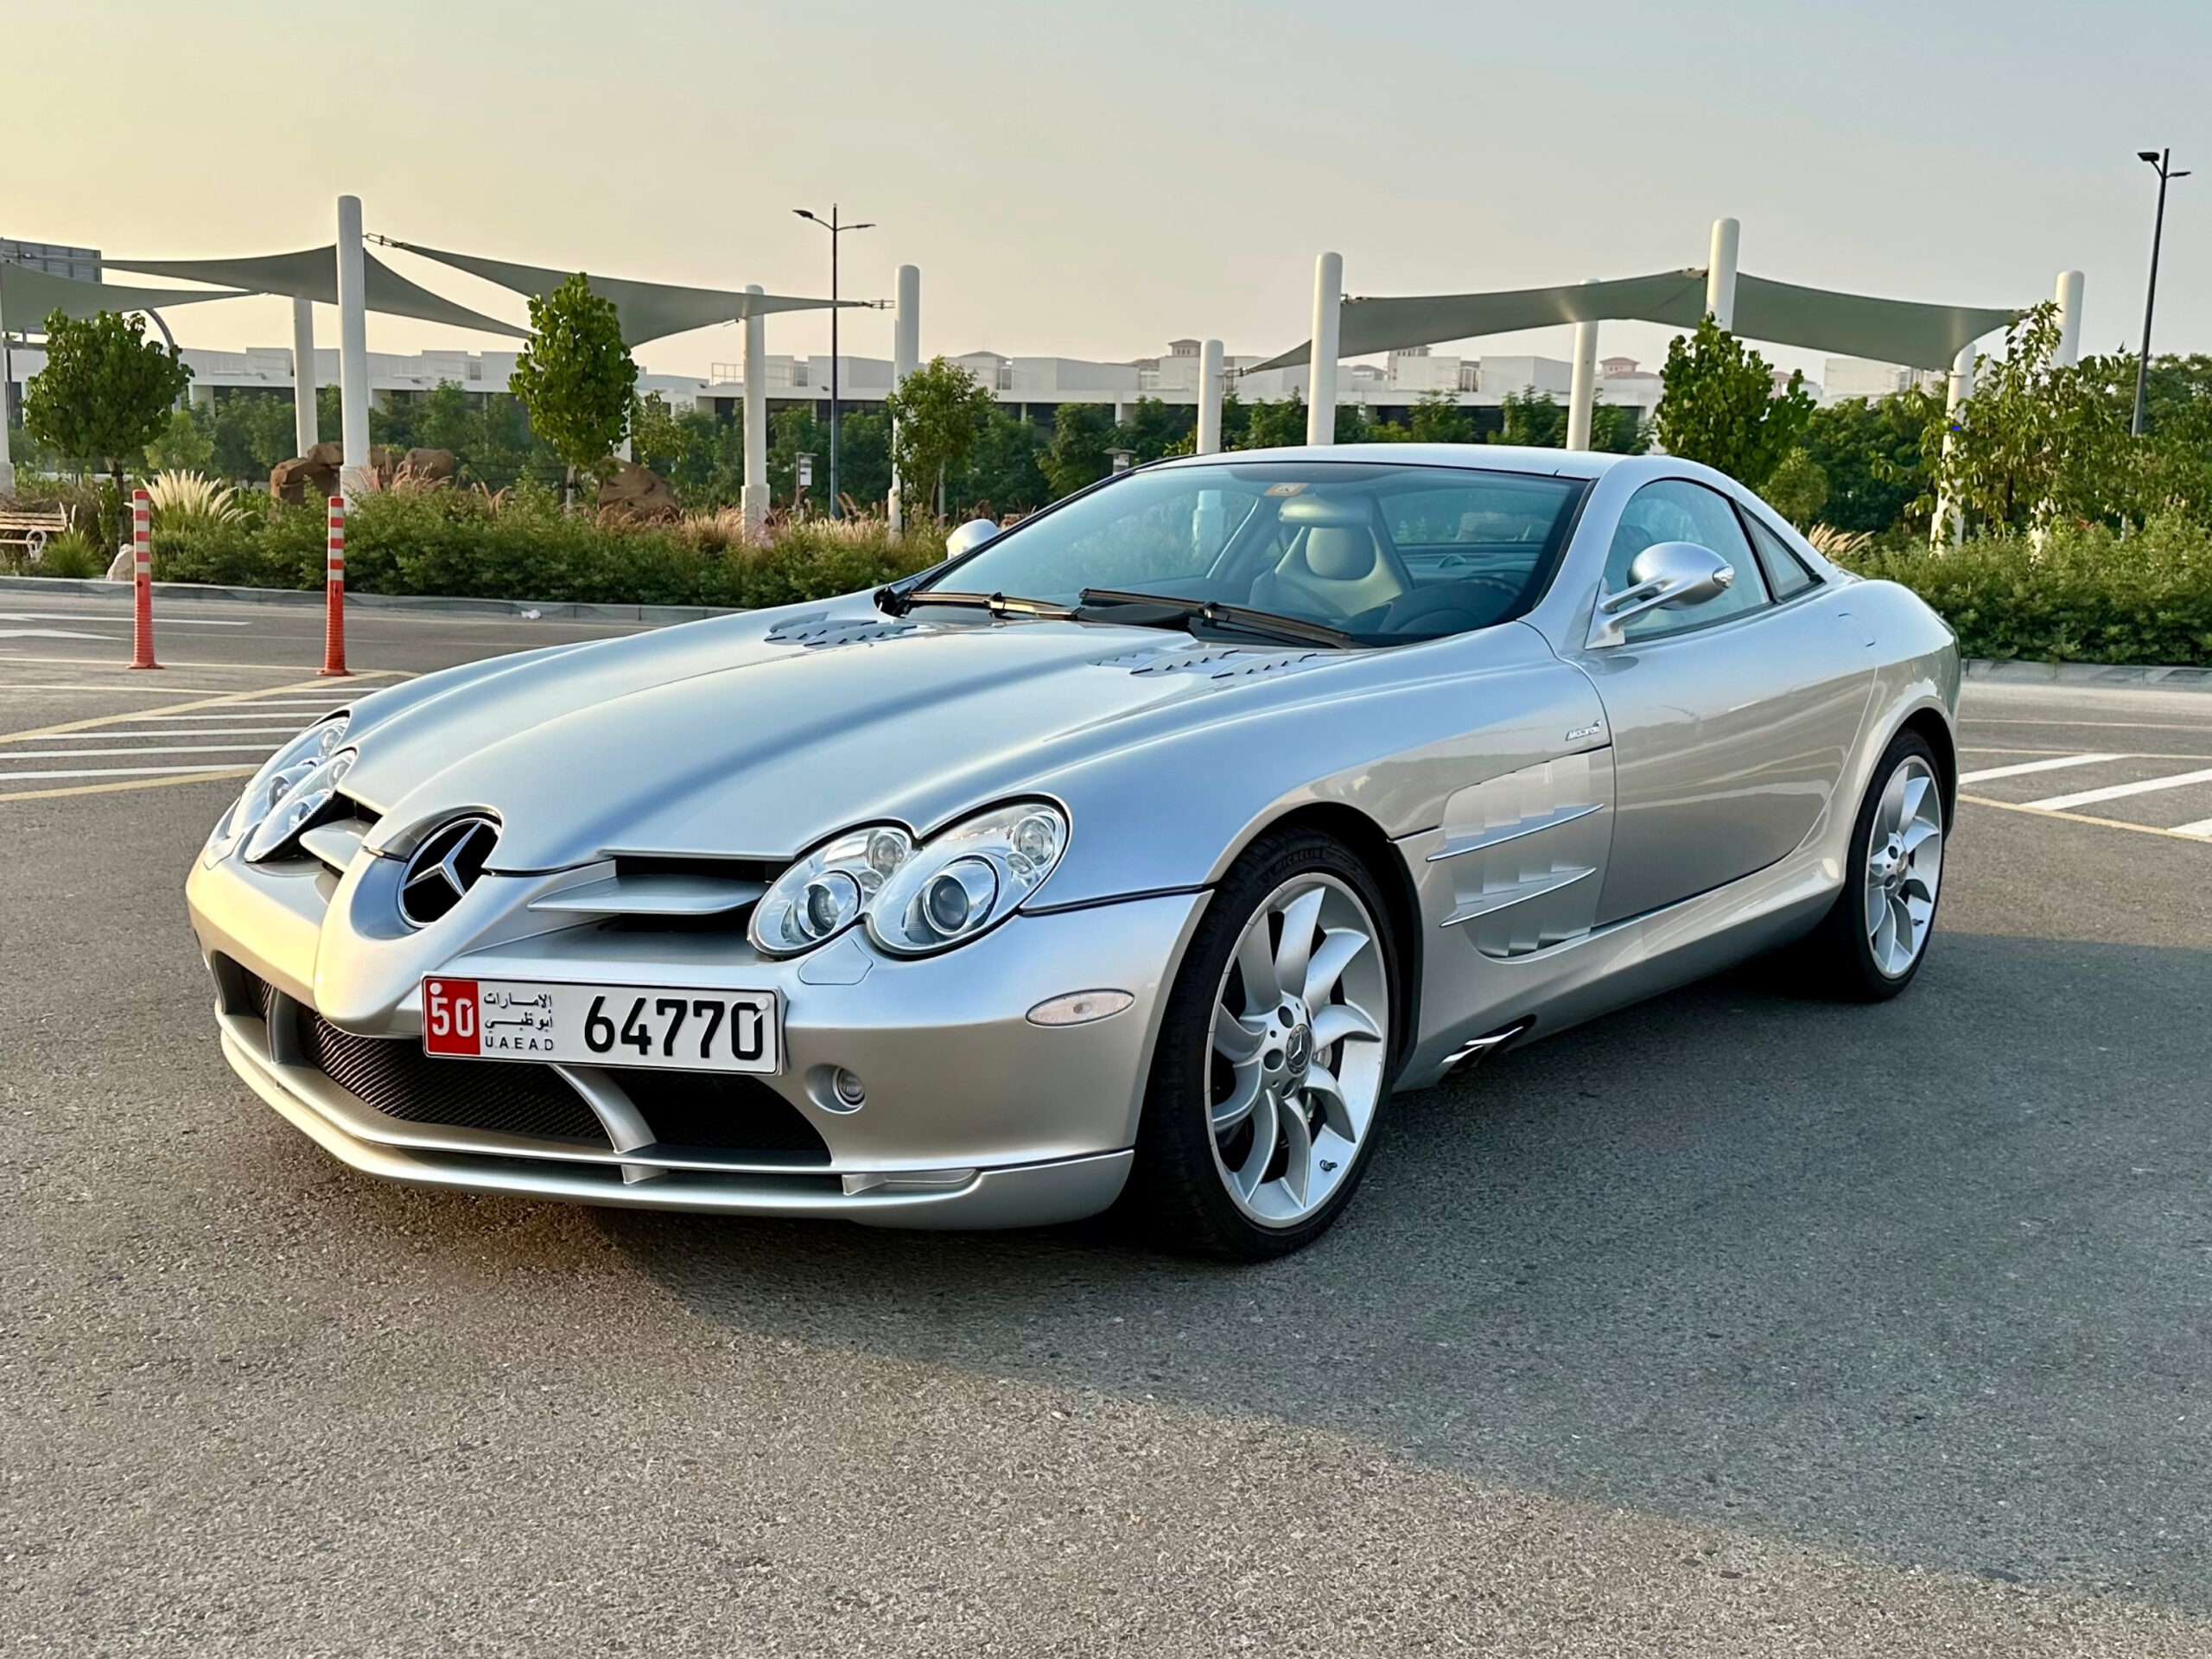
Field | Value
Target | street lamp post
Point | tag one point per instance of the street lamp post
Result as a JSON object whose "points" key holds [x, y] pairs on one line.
{"points": [[2163, 161], [835, 230]]}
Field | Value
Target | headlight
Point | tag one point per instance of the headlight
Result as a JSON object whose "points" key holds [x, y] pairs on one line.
{"points": [[826, 892], [967, 879], [292, 814], [280, 775]]}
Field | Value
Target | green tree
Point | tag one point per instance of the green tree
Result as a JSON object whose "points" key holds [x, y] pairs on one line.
{"points": [[105, 393], [937, 413], [1532, 419], [575, 376], [1082, 433], [1438, 419], [1003, 471], [1273, 426], [1719, 406], [1152, 429], [1870, 452], [793, 431], [1616, 429], [182, 444], [2036, 441], [1798, 488]]}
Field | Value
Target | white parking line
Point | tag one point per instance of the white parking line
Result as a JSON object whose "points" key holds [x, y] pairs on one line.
{"points": [[2022, 768], [269, 734], [150, 749], [262, 717], [119, 772], [2115, 792], [167, 620]]}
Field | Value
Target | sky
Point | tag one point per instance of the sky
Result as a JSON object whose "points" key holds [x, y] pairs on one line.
{"points": [[1094, 180]]}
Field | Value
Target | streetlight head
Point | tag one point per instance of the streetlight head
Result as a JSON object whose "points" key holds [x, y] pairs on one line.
{"points": [[2151, 155], [869, 225], [803, 213], [2179, 173]]}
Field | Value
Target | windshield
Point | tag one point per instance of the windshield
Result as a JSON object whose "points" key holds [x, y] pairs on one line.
{"points": [[1385, 553]]}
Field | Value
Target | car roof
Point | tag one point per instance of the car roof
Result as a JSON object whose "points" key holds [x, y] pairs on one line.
{"points": [[1487, 457]]}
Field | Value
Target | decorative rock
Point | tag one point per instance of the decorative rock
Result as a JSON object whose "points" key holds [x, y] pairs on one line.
{"points": [[638, 492]]}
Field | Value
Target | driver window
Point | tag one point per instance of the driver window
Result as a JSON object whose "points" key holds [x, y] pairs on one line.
{"points": [[1676, 510]]}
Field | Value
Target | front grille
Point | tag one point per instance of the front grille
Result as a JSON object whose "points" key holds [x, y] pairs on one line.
{"points": [[703, 1111], [395, 1076]]}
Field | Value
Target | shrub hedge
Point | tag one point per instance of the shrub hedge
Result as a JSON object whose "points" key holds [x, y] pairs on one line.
{"points": [[2087, 595], [464, 544]]}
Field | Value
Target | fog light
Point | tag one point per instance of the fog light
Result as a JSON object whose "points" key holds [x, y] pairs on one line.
{"points": [[1080, 1007], [847, 1086]]}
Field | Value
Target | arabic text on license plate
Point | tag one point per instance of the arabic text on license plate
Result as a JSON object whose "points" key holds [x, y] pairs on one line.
{"points": [[680, 1028]]}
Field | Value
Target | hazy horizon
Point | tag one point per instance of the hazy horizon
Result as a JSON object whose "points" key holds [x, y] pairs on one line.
{"points": [[1092, 186]]}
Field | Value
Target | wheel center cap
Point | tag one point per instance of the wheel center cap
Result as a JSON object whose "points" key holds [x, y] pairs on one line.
{"points": [[1298, 1050]]}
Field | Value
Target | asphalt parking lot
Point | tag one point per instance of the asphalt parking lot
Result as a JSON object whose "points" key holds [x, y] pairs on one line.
{"points": [[1737, 1323]]}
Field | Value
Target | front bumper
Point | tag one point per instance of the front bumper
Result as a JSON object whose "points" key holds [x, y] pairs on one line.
{"points": [[974, 1116]]}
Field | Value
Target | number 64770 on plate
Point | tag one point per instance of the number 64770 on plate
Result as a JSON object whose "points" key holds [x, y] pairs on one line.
{"points": [[681, 1028]]}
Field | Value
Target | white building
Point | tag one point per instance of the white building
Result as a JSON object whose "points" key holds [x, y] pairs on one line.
{"points": [[1843, 378]]}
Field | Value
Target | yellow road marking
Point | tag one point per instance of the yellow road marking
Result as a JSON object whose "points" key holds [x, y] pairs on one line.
{"points": [[96, 721], [117, 788], [2082, 818]]}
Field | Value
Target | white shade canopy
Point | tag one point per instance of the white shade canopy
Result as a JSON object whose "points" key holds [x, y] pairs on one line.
{"points": [[312, 274], [1857, 325], [29, 296], [648, 310]]}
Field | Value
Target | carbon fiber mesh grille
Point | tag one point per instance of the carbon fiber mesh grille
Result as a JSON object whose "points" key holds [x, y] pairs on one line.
{"points": [[700, 1112], [395, 1076]]}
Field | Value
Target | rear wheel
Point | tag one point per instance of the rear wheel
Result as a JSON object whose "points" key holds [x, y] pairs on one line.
{"points": [[1871, 945], [1274, 1057]]}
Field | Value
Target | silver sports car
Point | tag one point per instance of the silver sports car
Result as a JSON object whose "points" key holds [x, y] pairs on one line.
{"points": [[1134, 855]]}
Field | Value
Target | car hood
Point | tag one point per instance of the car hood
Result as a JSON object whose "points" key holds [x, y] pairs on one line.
{"points": [[757, 735]]}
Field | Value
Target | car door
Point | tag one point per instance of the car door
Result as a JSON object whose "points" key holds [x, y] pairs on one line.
{"points": [[1731, 719]]}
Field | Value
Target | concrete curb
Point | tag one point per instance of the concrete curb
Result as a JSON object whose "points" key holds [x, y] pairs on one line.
{"points": [[547, 610], [2021, 673]]}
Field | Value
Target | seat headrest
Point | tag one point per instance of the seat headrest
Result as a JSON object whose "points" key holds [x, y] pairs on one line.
{"points": [[1336, 553]]}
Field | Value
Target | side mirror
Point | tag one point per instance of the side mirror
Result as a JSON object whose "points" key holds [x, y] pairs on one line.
{"points": [[970, 536], [1667, 575]]}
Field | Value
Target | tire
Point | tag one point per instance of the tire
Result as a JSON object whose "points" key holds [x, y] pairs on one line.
{"points": [[1844, 953], [1299, 1071]]}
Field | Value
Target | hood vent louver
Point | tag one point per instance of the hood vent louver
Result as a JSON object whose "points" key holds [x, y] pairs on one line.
{"points": [[1214, 662], [821, 630]]}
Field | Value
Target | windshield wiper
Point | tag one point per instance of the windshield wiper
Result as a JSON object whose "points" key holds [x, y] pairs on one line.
{"points": [[997, 604], [1103, 605]]}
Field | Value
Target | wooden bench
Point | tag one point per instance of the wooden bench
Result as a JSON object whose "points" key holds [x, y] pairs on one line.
{"points": [[30, 531]]}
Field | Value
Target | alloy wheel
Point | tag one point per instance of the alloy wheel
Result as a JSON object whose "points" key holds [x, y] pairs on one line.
{"points": [[1299, 1029], [1905, 866]]}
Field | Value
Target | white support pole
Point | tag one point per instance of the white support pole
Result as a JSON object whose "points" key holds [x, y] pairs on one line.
{"points": [[906, 357], [1321, 363], [305, 431], [1582, 389], [1720, 272], [1948, 529], [353, 349], [7, 373], [2069, 296], [754, 499], [1210, 389]]}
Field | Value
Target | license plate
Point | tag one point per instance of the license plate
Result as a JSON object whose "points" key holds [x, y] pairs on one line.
{"points": [[678, 1028]]}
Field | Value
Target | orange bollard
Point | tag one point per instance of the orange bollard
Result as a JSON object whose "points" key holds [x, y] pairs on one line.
{"points": [[333, 589], [142, 576]]}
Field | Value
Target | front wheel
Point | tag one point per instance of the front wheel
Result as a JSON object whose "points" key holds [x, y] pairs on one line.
{"points": [[1871, 945], [1274, 1057]]}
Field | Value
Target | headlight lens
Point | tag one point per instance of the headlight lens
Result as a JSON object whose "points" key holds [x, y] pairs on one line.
{"points": [[279, 777], [289, 815], [826, 892], [967, 879]]}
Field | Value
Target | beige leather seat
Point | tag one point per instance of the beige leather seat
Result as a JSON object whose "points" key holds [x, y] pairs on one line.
{"points": [[1331, 571]]}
